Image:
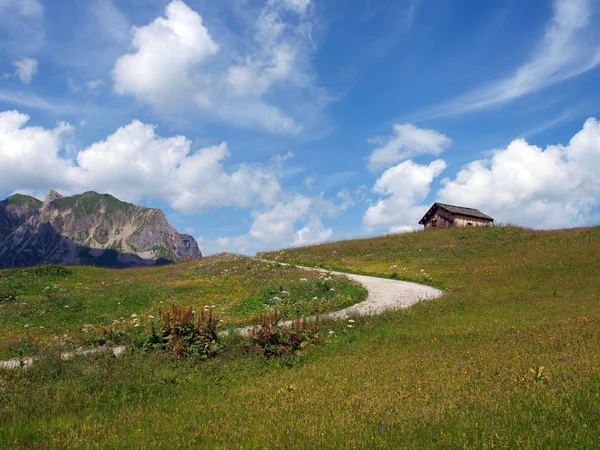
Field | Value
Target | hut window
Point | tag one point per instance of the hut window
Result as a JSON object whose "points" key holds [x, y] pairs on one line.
{"points": [[434, 223]]}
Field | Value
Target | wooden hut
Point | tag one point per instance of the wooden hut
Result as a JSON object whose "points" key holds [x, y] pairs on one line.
{"points": [[441, 215]]}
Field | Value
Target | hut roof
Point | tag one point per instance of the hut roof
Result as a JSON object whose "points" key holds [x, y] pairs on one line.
{"points": [[471, 212]]}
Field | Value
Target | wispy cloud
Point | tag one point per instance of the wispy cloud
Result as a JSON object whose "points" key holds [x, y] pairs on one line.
{"points": [[177, 62], [569, 48]]}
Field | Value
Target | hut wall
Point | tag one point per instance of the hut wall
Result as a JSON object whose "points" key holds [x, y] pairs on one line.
{"points": [[466, 221], [439, 220]]}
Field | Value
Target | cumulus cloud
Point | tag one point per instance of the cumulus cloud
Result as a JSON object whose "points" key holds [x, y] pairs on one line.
{"points": [[174, 65], [406, 142], [26, 69], [133, 163], [168, 52], [404, 188], [525, 184], [277, 226], [568, 48], [30, 156], [293, 220]]}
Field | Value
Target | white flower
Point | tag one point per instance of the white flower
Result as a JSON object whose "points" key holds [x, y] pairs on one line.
{"points": [[422, 270], [331, 332], [350, 321], [151, 317], [136, 325], [349, 326], [134, 315], [315, 298], [331, 290]]}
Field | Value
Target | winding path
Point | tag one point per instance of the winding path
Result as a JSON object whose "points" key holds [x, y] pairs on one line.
{"points": [[384, 295]]}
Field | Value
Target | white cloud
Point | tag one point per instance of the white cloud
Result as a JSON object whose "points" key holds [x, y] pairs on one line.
{"points": [[138, 163], [294, 220], [405, 187], [26, 69], [313, 233], [29, 156], [569, 47], [277, 226], [524, 184], [175, 66], [408, 141], [133, 163], [168, 51], [280, 158]]}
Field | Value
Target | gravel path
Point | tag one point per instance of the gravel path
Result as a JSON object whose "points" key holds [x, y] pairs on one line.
{"points": [[384, 295]]}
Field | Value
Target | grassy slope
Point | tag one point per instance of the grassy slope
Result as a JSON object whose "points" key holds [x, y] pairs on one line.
{"points": [[449, 373], [73, 303]]}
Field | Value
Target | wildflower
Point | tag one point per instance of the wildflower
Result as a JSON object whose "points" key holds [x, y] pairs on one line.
{"points": [[331, 290], [134, 315], [350, 321], [151, 317], [303, 279], [422, 270], [315, 298], [136, 325], [349, 326], [331, 332]]}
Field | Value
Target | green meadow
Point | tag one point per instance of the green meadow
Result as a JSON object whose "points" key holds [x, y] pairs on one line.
{"points": [[509, 357]]}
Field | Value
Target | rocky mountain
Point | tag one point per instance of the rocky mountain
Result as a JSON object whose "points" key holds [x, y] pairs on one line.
{"points": [[90, 228]]}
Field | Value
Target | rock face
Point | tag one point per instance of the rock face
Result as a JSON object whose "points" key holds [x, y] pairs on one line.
{"points": [[90, 228]]}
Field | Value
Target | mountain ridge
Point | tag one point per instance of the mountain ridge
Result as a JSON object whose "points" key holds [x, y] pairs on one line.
{"points": [[88, 228]]}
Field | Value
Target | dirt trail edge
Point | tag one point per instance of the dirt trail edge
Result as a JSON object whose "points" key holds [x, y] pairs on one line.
{"points": [[384, 295]]}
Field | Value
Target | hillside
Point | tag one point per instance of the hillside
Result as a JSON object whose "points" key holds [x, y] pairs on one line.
{"points": [[507, 358], [90, 228]]}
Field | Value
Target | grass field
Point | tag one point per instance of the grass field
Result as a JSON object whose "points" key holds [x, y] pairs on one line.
{"points": [[508, 358], [74, 305]]}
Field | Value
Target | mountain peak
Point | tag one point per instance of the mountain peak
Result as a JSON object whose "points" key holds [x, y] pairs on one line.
{"points": [[52, 195], [88, 228]]}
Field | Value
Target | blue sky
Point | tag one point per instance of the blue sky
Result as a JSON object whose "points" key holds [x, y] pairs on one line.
{"points": [[265, 124]]}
